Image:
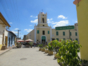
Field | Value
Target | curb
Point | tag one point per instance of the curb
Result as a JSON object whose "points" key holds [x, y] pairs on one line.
{"points": [[4, 52]]}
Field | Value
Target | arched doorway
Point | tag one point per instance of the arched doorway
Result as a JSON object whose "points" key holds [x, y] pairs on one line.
{"points": [[43, 39]]}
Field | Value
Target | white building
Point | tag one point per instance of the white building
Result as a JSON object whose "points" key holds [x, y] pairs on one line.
{"points": [[3, 32]]}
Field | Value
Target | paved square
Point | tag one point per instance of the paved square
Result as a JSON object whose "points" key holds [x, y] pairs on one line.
{"points": [[27, 57]]}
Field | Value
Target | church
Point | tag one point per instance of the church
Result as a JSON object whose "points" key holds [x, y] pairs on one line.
{"points": [[44, 33]]}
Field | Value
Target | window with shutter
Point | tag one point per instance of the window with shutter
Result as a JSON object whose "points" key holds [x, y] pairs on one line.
{"points": [[48, 32], [56, 33], [37, 31], [75, 33], [63, 33], [70, 33], [63, 38]]}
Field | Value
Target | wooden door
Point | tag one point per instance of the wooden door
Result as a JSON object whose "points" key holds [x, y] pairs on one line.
{"points": [[6, 40]]}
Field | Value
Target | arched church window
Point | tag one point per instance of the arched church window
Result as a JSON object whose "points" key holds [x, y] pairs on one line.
{"points": [[43, 32], [43, 20]]}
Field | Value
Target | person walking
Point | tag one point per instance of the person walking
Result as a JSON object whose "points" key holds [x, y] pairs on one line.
{"points": [[34, 45]]}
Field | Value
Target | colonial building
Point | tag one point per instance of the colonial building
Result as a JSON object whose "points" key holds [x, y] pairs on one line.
{"points": [[11, 39], [44, 33], [24, 38], [3, 32]]}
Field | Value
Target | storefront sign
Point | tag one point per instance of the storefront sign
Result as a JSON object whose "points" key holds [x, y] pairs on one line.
{"points": [[64, 28]]}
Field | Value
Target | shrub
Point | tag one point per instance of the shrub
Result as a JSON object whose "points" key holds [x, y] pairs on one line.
{"points": [[56, 45], [68, 53], [40, 45], [50, 48], [31, 43], [46, 47]]}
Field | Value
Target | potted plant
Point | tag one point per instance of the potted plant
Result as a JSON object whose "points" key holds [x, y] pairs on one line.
{"points": [[43, 49], [40, 47], [18, 45], [46, 49], [50, 48], [56, 45], [57, 55], [27, 44], [31, 43]]}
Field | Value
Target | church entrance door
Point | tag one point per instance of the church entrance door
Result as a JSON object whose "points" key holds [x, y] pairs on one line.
{"points": [[43, 39]]}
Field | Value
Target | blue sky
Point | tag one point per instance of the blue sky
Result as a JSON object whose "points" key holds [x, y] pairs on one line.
{"points": [[22, 14]]}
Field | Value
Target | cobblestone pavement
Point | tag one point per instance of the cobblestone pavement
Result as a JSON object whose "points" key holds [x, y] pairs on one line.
{"points": [[27, 57]]}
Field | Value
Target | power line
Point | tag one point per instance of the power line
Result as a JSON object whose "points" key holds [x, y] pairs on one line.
{"points": [[5, 10]]}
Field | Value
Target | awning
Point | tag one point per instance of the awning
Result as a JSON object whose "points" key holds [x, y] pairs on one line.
{"points": [[28, 40], [20, 40]]}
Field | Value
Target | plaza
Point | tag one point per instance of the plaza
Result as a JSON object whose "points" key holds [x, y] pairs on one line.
{"points": [[27, 57]]}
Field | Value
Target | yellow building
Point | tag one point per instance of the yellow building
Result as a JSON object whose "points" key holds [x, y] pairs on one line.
{"points": [[3, 32], [82, 15], [44, 33]]}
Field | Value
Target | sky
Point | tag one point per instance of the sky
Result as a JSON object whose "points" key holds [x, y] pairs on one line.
{"points": [[22, 14]]}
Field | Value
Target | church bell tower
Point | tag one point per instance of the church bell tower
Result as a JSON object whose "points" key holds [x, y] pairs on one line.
{"points": [[42, 20]]}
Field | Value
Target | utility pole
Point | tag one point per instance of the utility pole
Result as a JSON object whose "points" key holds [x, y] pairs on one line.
{"points": [[18, 33]]}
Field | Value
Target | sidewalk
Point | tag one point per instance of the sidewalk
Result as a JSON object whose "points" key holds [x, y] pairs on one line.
{"points": [[6, 50], [3, 51]]}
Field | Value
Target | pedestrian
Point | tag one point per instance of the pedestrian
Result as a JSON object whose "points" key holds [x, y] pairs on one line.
{"points": [[45, 43], [34, 45]]}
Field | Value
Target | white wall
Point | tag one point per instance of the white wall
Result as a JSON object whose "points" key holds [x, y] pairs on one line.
{"points": [[6, 34], [1, 32]]}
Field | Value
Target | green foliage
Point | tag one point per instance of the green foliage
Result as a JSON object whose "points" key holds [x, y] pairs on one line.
{"points": [[43, 47], [40, 45], [46, 47], [50, 48], [56, 45], [68, 52], [18, 44], [31, 43]]}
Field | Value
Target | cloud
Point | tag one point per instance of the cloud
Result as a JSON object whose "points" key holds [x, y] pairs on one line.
{"points": [[34, 21], [10, 23], [30, 25], [28, 30], [61, 16], [61, 23], [31, 16], [49, 20], [15, 32], [34, 16], [16, 28], [76, 21]]}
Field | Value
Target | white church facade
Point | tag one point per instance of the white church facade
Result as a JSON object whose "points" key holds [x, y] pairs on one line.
{"points": [[44, 33]]}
